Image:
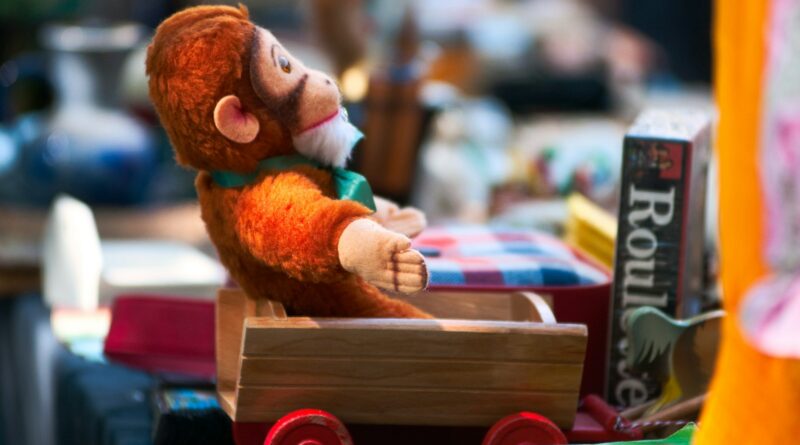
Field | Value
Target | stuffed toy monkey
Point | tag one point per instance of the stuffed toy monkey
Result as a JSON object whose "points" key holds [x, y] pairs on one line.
{"points": [[269, 139]]}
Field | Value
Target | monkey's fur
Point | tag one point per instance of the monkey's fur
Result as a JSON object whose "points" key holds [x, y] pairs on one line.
{"points": [[279, 237]]}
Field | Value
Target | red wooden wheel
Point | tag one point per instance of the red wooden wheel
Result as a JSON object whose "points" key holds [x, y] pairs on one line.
{"points": [[524, 429], [308, 427]]}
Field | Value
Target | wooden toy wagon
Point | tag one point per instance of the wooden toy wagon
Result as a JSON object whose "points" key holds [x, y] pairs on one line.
{"points": [[498, 361]]}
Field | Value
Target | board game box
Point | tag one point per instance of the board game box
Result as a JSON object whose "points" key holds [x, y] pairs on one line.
{"points": [[660, 236]]}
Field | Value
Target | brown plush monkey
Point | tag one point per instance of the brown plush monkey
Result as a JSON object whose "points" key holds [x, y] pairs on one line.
{"points": [[269, 139]]}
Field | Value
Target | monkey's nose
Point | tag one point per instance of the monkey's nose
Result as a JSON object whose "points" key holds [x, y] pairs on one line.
{"points": [[327, 81]]}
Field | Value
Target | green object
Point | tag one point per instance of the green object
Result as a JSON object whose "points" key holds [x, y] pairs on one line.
{"points": [[349, 184], [680, 437], [678, 354]]}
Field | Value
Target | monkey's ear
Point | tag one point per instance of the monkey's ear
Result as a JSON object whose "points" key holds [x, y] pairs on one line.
{"points": [[233, 122]]}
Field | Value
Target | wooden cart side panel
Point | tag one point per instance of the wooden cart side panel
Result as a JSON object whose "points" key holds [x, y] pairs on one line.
{"points": [[231, 310], [409, 338], [227, 400], [409, 373], [498, 306], [400, 371], [462, 305], [380, 405], [530, 306]]}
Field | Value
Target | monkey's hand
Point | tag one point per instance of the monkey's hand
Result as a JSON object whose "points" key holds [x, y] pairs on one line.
{"points": [[407, 220], [382, 257]]}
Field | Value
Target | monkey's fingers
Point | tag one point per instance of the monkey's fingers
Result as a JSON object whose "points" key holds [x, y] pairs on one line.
{"points": [[403, 289], [418, 276], [410, 267], [406, 272], [404, 283], [397, 245], [409, 256]]}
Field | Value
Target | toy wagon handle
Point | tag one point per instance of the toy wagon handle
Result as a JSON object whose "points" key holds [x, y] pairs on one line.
{"points": [[530, 306]]}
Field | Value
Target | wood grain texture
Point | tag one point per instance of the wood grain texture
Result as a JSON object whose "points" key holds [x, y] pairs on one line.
{"points": [[409, 373], [530, 306], [231, 310], [463, 305], [386, 405], [464, 339], [233, 307], [227, 400]]}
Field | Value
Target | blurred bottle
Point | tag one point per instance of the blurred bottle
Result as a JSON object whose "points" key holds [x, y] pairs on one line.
{"points": [[395, 114], [85, 145]]}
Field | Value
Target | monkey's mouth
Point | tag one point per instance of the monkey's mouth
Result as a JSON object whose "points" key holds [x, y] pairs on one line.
{"points": [[323, 121], [329, 142]]}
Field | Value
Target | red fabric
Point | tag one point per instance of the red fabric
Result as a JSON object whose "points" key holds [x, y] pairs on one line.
{"points": [[163, 334]]}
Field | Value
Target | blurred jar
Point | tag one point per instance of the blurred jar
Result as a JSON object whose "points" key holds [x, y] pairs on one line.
{"points": [[85, 145]]}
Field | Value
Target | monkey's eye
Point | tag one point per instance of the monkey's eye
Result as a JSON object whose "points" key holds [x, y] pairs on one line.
{"points": [[285, 65]]}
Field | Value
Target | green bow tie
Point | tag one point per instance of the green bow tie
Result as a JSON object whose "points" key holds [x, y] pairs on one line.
{"points": [[349, 185]]}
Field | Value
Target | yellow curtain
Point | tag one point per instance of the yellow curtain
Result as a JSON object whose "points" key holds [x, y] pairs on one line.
{"points": [[754, 398]]}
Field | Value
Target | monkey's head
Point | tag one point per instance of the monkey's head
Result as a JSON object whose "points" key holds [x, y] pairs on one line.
{"points": [[229, 94]]}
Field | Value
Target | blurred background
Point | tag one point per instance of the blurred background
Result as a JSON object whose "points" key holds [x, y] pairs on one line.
{"points": [[475, 111], [492, 85]]}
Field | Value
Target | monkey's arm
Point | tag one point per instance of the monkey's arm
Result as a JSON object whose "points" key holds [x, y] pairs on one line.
{"points": [[286, 222]]}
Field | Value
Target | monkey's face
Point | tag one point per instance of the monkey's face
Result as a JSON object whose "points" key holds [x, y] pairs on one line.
{"points": [[306, 101], [300, 96]]}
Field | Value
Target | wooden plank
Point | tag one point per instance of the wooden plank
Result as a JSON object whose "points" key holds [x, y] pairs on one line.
{"points": [[408, 373], [233, 307], [231, 310], [462, 305], [269, 308], [415, 338], [530, 306], [465, 305], [400, 371], [227, 400], [392, 406]]}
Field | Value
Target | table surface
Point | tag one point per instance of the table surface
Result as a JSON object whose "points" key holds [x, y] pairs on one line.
{"points": [[21, 231]]}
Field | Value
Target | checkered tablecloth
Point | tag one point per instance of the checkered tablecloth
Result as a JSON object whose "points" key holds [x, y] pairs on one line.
{"points": [[479, 256]]}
